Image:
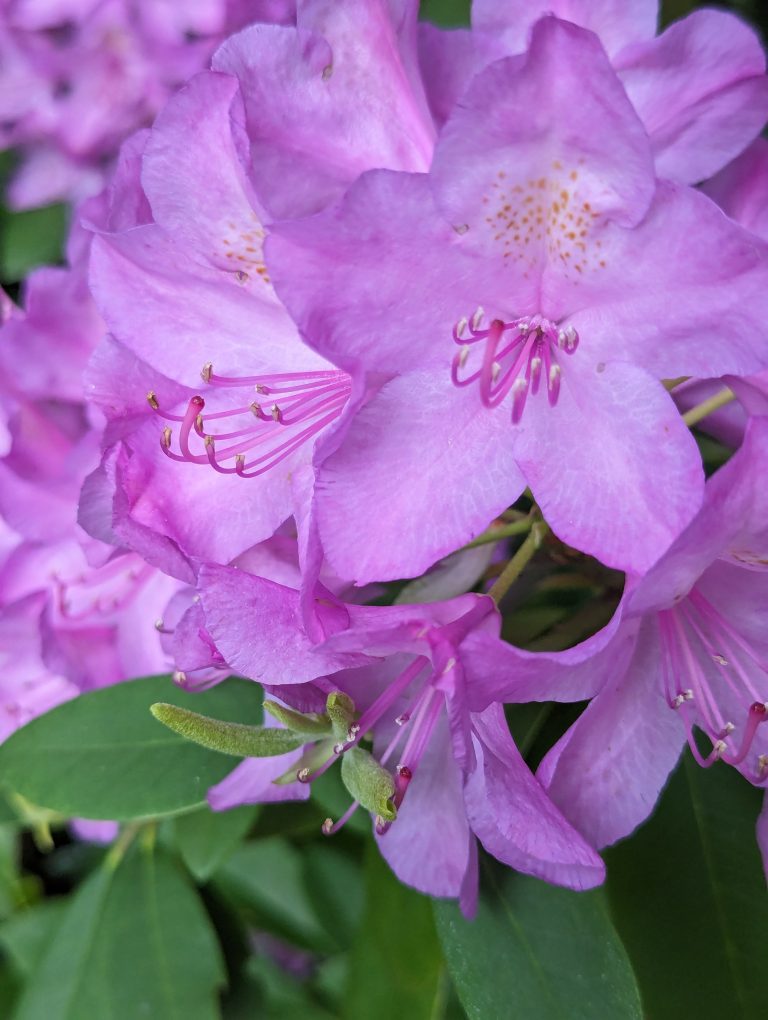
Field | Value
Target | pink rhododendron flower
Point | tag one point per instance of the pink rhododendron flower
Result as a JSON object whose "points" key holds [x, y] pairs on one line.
{"points": [[741, 190], [185, 274], [189, 293], [458, 774], [81, 613], [686, 650], [336, 95], [542, 208], [77, 78], [699, 88]]}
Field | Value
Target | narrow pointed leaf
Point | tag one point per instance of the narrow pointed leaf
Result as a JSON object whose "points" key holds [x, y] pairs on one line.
{"points": [[341, 711], [369, 783], [226, 737], [300, 722]]}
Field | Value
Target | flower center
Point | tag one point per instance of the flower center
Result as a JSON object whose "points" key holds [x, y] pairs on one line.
{"points": [[261, 434], [712, 675], [515, 357]]}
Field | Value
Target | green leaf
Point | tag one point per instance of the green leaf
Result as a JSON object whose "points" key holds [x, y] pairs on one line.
{"points": [[226, 737], [31, 238], [334, 886], [8, 816], [340, 709], [688, 896], [300, 722], [266, 878], [135, 942], [396, 964], [537, 952], [103, 756], [331, 796], [445, 12], [9, 870], [369, 783], [283, 997], [26, 935], [206, 838]]}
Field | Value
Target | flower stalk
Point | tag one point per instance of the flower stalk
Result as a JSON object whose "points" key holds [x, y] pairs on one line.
{"points": [[519, 561]]}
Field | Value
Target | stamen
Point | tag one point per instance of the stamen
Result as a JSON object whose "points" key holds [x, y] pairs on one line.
{"points": [[516, 356], [330, 828], [308, 402], [688, 633]]}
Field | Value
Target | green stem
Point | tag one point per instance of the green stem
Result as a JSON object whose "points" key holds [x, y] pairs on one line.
{"points": [[671, 384], [121, 844], [720, 399], [495, 534], [519, 561]]}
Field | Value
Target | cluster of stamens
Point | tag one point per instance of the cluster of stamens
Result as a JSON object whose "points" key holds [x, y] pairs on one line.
{"points": [[694, 627], [290, 409], [516, 356]]}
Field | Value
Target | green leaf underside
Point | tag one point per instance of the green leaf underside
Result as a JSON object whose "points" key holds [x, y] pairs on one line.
{"points": [[227, 737], [134, 942], [537, 952], [688, 896], [103, 756]]}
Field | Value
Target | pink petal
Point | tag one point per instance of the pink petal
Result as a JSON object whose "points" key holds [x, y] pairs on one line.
{"points": [[608, 770], [613, 435], [701, 91], [463, 477], [515, 820]]}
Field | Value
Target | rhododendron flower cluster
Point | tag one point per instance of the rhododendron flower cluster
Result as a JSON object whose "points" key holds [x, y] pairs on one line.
{"points": [[77, 77], [375, 328]]}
